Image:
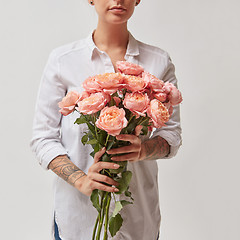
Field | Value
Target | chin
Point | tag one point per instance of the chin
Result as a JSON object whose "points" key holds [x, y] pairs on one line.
{"points": [[117, 20]]}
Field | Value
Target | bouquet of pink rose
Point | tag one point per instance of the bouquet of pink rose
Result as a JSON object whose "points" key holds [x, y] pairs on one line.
{"points": [[113, 104]]}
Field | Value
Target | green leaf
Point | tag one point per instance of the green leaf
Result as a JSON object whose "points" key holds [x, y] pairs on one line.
{"points": [[98, 114], [90, 135], [96, 148], [115, 224], [102, 137], [145, 121], [106, 158], [92, 141], [88, 117], [110, 144], [111, 141], [117, 209], [128, 194], [128, 113], [91, 128], [124, 182], [131, 127], [101, 193], [81, 120], [95, 199], [84, 139], [124, 202], [119, 205], [92, 154]]}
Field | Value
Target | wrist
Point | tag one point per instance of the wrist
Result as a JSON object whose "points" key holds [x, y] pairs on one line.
{"points": [[79, 181], [154, 148], [142, 152]]}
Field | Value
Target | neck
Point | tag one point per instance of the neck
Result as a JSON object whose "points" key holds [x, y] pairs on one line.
{"points": [[108, 36]]}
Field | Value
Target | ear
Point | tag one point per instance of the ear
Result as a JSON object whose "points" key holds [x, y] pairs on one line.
{"points": [[137, 2]]}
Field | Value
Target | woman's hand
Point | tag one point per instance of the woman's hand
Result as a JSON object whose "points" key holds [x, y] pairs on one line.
{"points": [[133, 150], [95, 180]]}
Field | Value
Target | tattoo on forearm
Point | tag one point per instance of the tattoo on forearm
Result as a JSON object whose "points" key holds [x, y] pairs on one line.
{"points": [[66, 170], [155, 148]]}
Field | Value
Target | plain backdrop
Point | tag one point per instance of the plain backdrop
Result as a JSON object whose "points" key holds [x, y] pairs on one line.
{"points": [[199, 188]]}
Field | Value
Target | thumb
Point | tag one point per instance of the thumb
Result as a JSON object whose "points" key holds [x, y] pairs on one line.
{"points": [[138, 130], [99, 154]]}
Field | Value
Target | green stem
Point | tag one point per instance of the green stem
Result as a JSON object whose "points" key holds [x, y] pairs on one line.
{"points": [[143, 121], [103, 204], [130, 118], [106, 140], [106, 218], [96, 128], [99, 217], [106, 170], [95, 227]]}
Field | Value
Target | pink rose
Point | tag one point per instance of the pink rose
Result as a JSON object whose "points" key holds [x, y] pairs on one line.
{"points": [[158, 113], [161, 96], [91, 85], [83, 95], [129, 68], [94, 103], [112, 120], [169, 107], [167, 87], [110, 82], [134, 83], [136, 102], [154, 83], [69, 102], [173, 94]]}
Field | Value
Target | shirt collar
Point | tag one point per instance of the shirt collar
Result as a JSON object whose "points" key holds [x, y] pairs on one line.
{"points": [[132, 47]]}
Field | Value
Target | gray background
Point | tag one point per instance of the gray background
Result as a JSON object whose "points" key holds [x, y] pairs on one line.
{"points": [[199, 189]]}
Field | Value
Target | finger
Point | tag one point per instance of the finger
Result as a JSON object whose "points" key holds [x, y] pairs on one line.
{"points": [[98, 154], [125, 149], [126, 157], [101, 165], [138, 130], [102, 178], [128, 137], [100, 186]]}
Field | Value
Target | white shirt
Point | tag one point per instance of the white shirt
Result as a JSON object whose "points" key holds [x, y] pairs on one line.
{"points": [[67, 67]]}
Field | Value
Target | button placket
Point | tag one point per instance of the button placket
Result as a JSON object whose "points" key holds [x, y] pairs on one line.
{"points": [[107, 62]]}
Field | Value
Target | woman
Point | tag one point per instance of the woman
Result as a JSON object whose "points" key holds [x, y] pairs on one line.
{"points": [[57, 141]]}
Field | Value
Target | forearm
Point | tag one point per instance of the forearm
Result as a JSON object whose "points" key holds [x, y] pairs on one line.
{"points": [[154, 148], [66, 169]]}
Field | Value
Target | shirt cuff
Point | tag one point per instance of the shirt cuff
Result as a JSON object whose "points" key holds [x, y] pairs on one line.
{"points": [[46, 156], [174, 141]]}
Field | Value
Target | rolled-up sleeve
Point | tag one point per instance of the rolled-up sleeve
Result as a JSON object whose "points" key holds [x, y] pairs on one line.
{"points": [[172, 131], [46, 140]]}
